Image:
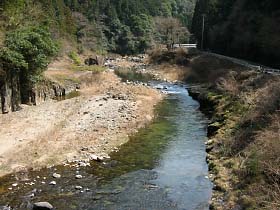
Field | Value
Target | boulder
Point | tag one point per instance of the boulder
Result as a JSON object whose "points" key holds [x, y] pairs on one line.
{"points": [[42, 206], [95, 60], [91, 61]]}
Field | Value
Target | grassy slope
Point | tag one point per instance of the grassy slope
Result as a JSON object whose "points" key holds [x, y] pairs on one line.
{"points": [[244, 134]]}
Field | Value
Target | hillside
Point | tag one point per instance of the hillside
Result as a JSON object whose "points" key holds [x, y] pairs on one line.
{"points": [[241, 28], [120, 26], [33, 33]]}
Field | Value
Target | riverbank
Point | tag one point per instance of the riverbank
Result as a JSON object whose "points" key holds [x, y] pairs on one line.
{"points": [[169, 153], [243, 146], [78, 129]]}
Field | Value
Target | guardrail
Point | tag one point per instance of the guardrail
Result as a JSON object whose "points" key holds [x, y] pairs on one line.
{"points": [[185, 45], [248, 64]]}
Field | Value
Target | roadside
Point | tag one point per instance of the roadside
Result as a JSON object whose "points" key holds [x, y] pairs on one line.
{"points": [[81, 128]]}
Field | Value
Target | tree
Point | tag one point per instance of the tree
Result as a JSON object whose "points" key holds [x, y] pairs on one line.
{"points": [[27, 53], [170, 31]]}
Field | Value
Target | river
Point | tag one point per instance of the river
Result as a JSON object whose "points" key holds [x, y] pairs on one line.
{"points": [[162, 167]]}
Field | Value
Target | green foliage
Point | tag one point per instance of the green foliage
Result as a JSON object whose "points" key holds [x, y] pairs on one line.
{"points": [[252, 164], [34, 47], [119, 26], [126, 26], [26, 54], [12, 59], [73, 55]]}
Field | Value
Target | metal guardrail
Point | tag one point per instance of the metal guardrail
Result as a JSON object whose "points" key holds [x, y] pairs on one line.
{"points": [[256, 67], [185, 45]]}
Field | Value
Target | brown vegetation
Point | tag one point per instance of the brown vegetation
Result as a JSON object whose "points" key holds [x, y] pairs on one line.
{"points": [[248, 138], [159, 56]]}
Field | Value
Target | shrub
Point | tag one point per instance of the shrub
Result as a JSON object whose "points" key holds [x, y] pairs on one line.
{"points": [[229, 85], [32, 46], [159, 56], [75, 58]]}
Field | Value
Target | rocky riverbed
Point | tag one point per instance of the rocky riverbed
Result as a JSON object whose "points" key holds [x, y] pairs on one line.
{"points": [[79, 129]]}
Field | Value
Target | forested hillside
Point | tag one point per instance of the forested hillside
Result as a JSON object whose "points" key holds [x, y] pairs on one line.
{"points": [[126, 26], [241, 28], [32, 32], [121, 26]]}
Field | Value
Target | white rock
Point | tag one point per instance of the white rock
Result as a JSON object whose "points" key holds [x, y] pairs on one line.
{"points": [[78, 176], [78, 187], [56, 175], [52, 183], [94, 157], [15, 184], [42, 205]]}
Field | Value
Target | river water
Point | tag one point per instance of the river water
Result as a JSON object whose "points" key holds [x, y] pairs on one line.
{"points": [[162, 167]]}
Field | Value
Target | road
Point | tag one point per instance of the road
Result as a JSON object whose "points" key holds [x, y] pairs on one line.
{"points": [[253, 66]]}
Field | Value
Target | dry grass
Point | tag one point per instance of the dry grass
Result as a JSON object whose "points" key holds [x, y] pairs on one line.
{"points": [[229, 84], [264, 187], [160, 56], [248, 110]]}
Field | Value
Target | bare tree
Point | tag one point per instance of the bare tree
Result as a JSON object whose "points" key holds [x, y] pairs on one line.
{"points": [[170, 31]]}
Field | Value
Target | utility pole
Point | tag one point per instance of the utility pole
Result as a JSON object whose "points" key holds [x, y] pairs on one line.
{"points": [[202, 32]]}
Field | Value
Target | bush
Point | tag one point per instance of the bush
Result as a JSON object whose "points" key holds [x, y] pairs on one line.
{"points": [[75, 58], [229, 84], [32, 46], [159, 56]]}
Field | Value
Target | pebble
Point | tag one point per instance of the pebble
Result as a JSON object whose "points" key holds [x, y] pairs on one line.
{"points": [[15, 184], [82, 164], [78, 176], [94, 157], [57, 176], [78, 187], [52, 183]]}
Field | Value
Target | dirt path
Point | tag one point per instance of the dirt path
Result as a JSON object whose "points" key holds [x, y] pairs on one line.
{"points": [[92, 124]]}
